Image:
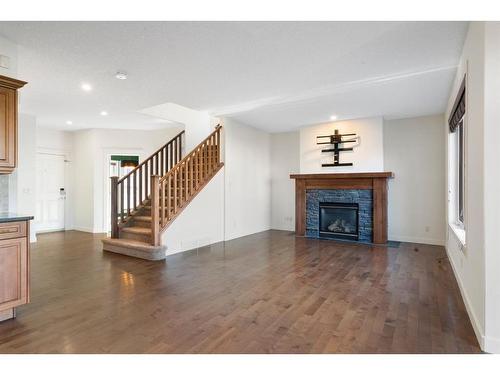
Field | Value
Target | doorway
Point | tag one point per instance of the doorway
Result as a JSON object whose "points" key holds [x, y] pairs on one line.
{"points": [[118, 165], [50, 192]]}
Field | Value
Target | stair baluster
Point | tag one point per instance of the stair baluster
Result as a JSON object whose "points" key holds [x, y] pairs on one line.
{"points": [[130, 193], [188, 177], [163, 184]]}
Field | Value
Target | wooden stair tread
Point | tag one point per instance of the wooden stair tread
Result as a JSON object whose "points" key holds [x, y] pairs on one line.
{"points": [[137, 230], [140, 245], [142, 218], [149, 208]]}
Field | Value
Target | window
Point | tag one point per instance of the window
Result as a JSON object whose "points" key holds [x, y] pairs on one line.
{"points": [[460, 172], [457, 129]]}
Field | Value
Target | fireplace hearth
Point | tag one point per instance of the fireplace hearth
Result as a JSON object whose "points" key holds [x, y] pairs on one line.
{"points": [[339, 220]]}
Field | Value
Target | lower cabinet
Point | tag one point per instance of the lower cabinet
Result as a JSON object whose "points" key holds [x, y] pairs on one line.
{"points": [[14, 267]]}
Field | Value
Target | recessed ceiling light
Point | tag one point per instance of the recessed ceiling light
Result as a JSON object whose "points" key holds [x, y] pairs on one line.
{"points": [[69, 122], [86, 87], [104, 113], [333, 117], [121, 75]]}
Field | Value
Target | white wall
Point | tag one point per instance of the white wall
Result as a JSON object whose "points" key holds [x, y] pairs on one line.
{"points": [[9, 49], [468, 260], [285, 160], [247, 179], [367, 156], [55, 140], [476, 261], [92, 149], [236, 202], [413, 150], [84, 154], [492, 186], [197, 124], [202, 221]]}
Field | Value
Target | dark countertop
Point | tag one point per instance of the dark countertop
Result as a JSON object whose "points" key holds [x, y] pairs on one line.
{"points": [[6, 217]]}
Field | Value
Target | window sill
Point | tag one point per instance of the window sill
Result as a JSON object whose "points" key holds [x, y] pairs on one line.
{"points": [[459, 232]]}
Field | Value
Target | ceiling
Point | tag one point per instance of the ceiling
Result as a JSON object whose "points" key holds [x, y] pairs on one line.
{"points": [[277, 76]]}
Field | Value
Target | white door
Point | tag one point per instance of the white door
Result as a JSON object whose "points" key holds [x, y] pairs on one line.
{"points": [[50, 192]]}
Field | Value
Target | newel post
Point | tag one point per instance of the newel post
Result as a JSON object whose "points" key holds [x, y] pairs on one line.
{"points": [[155, 210], [114, 207]]}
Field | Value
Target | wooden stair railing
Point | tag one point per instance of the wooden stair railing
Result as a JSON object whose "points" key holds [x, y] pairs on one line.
{"points": [[171, 193], [130, 193]]}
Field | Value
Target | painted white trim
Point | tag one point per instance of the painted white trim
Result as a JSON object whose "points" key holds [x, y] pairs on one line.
{"points": [[422, 240], [107, 152], [459, 233], [470, 311], [246, 234], [51, 230], [83, 229], [53, 151], [491, 345]]}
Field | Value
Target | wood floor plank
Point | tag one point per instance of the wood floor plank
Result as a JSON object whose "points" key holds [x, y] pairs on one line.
{"points": [[266, 293]]}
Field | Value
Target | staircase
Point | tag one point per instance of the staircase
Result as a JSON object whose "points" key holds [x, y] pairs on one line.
{"points": [[148, 199]]}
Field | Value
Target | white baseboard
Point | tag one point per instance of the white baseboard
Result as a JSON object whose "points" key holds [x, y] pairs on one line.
{"points": [[239, 235], [491, 345], [427, 241], [83, 229], [472, 316]]}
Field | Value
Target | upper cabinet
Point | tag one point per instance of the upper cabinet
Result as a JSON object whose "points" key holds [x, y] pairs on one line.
{"points": [[8, 123]]}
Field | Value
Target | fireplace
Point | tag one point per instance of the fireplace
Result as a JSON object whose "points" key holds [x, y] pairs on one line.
{"points": [[339, 220], [368, 190]]}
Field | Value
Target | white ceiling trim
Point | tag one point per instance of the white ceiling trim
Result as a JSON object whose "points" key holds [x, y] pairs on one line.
{"points": [[323, 92]]}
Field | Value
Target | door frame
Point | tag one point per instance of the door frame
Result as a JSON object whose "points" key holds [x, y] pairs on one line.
{"points": [[107, 152]]}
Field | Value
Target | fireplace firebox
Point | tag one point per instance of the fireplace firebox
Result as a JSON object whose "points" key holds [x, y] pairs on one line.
{"points": [[339, 220]]}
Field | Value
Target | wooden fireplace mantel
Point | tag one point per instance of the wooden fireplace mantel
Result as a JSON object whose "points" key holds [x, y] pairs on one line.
{"points": [[376, 181]]}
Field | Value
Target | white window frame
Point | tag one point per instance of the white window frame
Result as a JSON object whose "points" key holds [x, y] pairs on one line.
{"points": [[460, 174]]}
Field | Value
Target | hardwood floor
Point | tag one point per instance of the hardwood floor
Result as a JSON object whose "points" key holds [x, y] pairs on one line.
{"points": [[265, 293]]}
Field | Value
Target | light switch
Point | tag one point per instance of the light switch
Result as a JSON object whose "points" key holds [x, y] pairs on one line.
{"points": [[4, 61]]}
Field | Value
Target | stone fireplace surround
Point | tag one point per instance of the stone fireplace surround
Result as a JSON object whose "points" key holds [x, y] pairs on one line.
{"points": [[359, 188], [361, 196]]}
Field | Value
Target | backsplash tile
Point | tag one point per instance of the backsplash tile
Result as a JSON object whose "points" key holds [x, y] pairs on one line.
{"points": [[4, 193]]}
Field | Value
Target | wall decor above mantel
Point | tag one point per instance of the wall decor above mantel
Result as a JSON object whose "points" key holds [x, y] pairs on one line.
{"points": [[336, 140]]}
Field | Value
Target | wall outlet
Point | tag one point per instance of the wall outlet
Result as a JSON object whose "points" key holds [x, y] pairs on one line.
{"points": [[4, 61]]}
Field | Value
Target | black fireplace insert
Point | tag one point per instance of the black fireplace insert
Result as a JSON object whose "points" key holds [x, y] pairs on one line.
{"points": [[339, 220]]}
